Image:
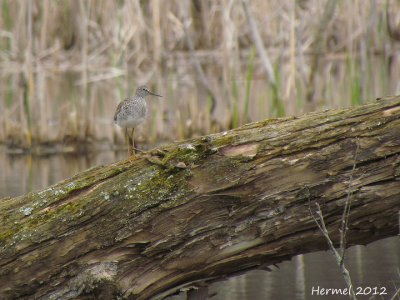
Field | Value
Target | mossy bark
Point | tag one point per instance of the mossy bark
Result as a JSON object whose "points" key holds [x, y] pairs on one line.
{"points": [[206, 208]]}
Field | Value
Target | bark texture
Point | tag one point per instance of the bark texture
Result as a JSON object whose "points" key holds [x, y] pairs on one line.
{"points": [[206, 208]]}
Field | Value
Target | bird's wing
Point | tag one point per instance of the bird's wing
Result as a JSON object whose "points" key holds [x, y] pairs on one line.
{"points": [[119, 107]]}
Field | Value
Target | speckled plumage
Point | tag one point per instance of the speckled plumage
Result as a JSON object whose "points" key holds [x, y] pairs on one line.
{"points": [[131, 112]]}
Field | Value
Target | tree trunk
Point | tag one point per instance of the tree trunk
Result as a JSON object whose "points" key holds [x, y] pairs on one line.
{"points": [[200, 210]]}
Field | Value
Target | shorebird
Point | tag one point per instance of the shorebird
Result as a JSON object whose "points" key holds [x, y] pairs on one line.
{"points": [[131, 112]]}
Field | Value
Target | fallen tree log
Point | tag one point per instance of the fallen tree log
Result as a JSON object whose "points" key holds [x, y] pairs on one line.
{"points": [[206, 208]]}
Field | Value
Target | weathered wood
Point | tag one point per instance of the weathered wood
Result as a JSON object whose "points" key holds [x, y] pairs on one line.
{"points": [[205, 208]]}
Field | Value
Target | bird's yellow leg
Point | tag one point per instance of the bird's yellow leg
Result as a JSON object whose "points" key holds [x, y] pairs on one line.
{"points": [[127, 140], [132, 142]]}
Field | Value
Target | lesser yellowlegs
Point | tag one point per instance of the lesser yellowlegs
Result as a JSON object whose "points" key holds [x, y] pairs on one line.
{"points": [[131, 112]]}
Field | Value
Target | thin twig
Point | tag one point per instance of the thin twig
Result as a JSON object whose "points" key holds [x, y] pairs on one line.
{"points": [[338, 257], [395, 294], [347, 205]]}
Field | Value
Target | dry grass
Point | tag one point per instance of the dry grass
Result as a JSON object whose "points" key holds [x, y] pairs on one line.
{"points": [[66, 64]]}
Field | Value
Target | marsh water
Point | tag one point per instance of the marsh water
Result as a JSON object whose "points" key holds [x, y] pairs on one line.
{"points": [[373, 266]]}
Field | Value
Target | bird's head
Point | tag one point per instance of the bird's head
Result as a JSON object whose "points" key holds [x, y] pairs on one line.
{"points": [[143, 91]]}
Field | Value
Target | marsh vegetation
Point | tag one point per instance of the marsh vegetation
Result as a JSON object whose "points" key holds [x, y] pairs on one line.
{"points": [[65, 65]]}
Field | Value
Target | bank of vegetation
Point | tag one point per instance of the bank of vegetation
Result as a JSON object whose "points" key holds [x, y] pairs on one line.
{"points": [[65, 65]]}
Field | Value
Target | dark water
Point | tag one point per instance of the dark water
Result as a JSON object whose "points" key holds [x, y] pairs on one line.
{"points": [[374, 266]]}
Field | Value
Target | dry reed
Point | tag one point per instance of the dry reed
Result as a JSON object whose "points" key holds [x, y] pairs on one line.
{"points": [[66, 64]]}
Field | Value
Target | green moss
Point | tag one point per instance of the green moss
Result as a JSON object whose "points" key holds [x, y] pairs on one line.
{"points": [[187, 153], [6, 234], [224, 140], [15, 223], [160, 187]]}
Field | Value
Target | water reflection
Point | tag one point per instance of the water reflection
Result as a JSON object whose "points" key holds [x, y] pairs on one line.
{"points": [[376, 265], [21, 174]]}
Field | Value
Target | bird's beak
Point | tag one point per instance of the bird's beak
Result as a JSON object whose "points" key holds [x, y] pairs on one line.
{"points": [[155, 94]]}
